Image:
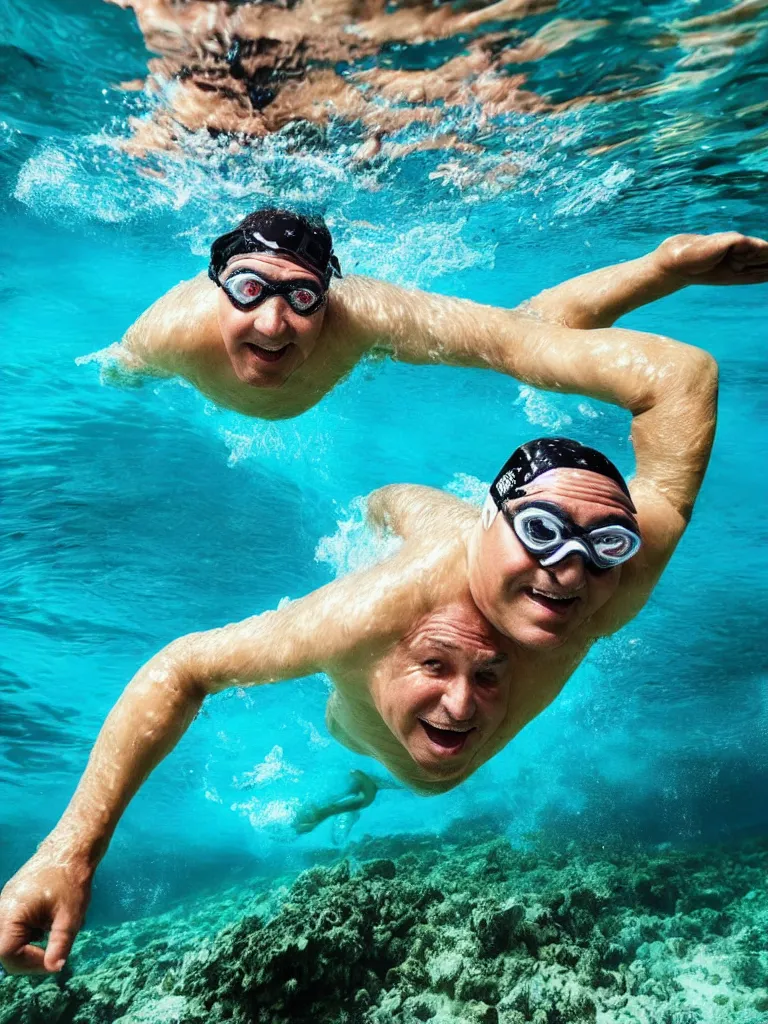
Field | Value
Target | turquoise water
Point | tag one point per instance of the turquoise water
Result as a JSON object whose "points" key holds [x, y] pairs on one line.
{"points": [[132, 517]]}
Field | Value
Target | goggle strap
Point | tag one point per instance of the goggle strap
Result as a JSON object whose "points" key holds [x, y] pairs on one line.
{"points": [[489, 513]]}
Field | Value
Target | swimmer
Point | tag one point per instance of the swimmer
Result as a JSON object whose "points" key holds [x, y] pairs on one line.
{"points": [[443, 652], [273, 327]]}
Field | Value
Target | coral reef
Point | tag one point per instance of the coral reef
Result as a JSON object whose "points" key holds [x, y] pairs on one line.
{"points": [[453, 931]]}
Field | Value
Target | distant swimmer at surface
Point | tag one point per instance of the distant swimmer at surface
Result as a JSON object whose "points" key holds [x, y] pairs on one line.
{"points": [[273, 327], [440, 654]]}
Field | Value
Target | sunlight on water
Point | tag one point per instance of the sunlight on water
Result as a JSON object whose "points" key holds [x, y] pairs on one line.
{"points": [[481, 156]]}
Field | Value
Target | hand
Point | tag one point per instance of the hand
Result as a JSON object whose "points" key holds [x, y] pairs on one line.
{"points": [[723, 258], [50, 893]]}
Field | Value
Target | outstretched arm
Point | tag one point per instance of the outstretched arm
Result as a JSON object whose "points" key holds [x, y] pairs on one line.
{"points": [[668, 387], [600, 298], [51, 891]]}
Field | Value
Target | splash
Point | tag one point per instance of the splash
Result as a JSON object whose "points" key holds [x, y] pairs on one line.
{"points": [[355, 545], [468, 488], [542, 410], [273, 767]]}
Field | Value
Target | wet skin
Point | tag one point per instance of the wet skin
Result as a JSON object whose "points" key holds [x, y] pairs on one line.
{"points": [[541, 607], [269, 343], [348, 628], [444, 690]]}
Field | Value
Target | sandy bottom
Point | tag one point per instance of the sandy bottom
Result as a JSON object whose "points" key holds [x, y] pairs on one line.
{"points": [[443, 930]]}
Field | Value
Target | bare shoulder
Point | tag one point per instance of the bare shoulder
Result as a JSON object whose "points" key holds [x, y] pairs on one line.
{"points": [[356, 304], [177, 325], [412, 509]]}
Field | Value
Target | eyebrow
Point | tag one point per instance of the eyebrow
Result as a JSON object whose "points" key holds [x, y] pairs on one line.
{"points": [[496, 659], [442, 643]]}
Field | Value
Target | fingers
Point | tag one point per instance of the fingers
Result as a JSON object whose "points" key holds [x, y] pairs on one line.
{"points": [[63, 933], [17, 956], [749, 253]]}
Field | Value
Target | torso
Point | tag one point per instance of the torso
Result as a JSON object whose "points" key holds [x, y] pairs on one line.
{"points": [[537, 677], [193, 349]]}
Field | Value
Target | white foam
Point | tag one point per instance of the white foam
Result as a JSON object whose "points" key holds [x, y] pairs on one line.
{"points": [[419, 255], [355, 545], [542, 410], [69, 182], [468, 488], [270, 815], [586, 195], [273, 767]]}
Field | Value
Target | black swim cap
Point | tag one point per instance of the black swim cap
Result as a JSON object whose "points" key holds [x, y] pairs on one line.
{"points": [[306, 240], [539, 456]]}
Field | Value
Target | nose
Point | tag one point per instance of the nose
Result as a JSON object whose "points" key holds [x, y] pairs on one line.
{"points": [[269, 318], [570, 573], [458, 700]]}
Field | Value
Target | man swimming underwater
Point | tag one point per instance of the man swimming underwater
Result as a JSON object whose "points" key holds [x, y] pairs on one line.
{"points": [[268, 335], [442, 653]]}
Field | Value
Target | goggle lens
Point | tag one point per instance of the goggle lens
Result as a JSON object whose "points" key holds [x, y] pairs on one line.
{"points": [[302, 299], [244, 287], [614, 544], [543, 533], [538, 530], [247, 290]]}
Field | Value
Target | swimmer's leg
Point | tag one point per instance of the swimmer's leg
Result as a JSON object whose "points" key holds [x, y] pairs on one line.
{"points": [[360, 793]]}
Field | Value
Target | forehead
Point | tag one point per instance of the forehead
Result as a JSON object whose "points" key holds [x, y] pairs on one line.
{"points": [[280, 268], [580, 492], [460, 629]]}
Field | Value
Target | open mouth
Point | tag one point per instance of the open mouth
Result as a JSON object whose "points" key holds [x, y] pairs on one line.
{"points": [[448, 740], [557, 605], [267, 355]]}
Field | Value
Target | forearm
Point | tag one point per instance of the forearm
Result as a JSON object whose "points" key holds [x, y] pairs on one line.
{"points": [[615, 365], [669, 387], [632, 369], [152, 714], [600, 298]]}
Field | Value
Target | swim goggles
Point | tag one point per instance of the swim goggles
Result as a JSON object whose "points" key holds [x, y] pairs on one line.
{"points": [[246, 290], [550, 535]]}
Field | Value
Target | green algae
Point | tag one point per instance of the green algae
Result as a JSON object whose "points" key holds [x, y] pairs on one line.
{"points": [[469, 932]]}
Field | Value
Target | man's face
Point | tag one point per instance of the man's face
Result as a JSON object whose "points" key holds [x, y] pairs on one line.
{"points": [[445, 689], [269, 343], [541, 607]]}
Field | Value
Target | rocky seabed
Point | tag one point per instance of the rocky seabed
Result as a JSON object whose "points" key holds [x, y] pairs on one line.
{"points": [[442, 931]]}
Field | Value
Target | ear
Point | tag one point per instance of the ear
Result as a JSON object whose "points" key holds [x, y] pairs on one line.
{"points": [[489, 513]]}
